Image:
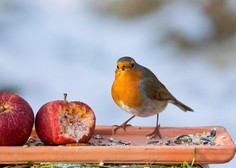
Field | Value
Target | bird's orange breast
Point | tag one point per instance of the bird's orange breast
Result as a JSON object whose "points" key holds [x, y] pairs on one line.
{"points": [[125, 88]]}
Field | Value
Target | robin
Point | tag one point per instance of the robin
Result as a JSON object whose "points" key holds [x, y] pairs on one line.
{"points": [[137, 91]]}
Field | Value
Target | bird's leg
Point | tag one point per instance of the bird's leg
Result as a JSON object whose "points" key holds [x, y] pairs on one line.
{"points": [[124, 125], [156, 131]]}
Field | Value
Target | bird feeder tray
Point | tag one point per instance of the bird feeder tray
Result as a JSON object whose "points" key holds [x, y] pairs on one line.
{"points": [[130, 146]]}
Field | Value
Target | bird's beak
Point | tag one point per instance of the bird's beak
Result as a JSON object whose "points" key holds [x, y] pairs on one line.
{"points": [[123, 68]]}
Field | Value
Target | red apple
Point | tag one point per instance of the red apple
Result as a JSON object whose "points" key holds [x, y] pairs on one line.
{"points": [[16, 119], [62, 122]]}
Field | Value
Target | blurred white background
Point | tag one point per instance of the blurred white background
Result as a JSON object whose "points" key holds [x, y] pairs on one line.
{"points": [[49, 47]]}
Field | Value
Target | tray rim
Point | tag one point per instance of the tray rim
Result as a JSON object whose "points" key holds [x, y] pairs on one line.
{"points": [[122, 154]]}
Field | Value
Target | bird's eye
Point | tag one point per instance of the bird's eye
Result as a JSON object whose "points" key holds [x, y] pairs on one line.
{"points": [[117, 67], [132, 65]]}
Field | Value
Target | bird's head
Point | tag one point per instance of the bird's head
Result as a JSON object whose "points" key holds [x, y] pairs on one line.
{"points": [[126, 63]]}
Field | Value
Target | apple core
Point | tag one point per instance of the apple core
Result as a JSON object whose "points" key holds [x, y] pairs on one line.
{"points": [[75, 122]]}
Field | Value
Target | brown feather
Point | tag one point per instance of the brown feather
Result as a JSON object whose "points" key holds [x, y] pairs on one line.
{"points": [[154, 89]]}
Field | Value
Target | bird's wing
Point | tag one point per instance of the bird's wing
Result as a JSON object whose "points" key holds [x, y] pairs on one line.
{"points": [[154, 89], [162, 93]]}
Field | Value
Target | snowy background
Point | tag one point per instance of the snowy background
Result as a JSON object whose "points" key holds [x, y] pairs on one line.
{"points": [[49, 47]]}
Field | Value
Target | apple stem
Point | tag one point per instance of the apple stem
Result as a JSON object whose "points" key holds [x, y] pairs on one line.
{"points": [[65, 96]]}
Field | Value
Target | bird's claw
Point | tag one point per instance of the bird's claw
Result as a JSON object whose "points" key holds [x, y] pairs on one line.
{"points": [[155, 133], [121, 126]]}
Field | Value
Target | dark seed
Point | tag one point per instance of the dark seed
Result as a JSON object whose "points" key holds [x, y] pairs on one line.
{"points": [[168, 142], [213, 133], [183, 139], [205, 141], [153, 142], [111, 139], [124, 143]]}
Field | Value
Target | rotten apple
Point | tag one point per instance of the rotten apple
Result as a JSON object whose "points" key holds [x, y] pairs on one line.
{"points": [[62, 122], [16, 119]]}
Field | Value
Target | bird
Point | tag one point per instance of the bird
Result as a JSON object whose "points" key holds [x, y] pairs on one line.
{"points": [[137, 90]]}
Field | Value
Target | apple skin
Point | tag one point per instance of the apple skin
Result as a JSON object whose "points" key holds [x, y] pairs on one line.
{"points": [[49, 129], [16, 120]]}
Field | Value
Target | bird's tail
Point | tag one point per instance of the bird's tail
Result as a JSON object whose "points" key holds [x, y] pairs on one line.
{"points": [[181, 106]]}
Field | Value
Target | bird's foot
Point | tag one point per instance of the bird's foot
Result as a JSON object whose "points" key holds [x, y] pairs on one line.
{"points": [[123, 126], [155, 133]]}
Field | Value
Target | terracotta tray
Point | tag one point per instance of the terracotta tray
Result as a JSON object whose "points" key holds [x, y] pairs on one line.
{"points": [[138, 151]]}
